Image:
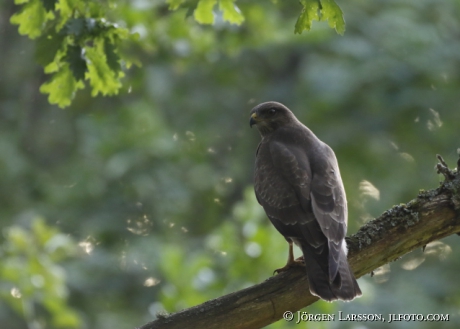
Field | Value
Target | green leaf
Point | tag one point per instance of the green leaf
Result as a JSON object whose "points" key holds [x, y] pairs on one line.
{"points": [[88, 27], [75, 26], [333, 14], [76, 62], [49, 4], [113, 60], [309, 13], [46, 48], [66, 318], [231, 12], [31, 19], [53, 66], [203, 13], [320, 10], [65, 8], [190, 11], [174, 4], [62, 87], [102, 79]]}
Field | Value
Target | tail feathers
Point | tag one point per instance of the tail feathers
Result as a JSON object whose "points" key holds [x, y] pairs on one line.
{"points": [[344, 286]]}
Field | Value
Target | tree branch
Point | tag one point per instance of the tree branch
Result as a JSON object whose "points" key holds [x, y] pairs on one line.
{"points": [[433, 215]]}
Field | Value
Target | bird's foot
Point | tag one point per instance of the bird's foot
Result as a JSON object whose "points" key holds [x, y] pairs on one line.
{"points": [[294, 263]]}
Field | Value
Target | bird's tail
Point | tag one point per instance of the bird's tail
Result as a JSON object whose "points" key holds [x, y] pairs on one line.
{"points": [[344, 285]]}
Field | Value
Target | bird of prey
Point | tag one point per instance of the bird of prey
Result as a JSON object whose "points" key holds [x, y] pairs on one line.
{"points": [[298, 183]]}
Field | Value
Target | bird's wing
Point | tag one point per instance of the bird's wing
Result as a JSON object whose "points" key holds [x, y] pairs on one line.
{"points": [[330, 206]]}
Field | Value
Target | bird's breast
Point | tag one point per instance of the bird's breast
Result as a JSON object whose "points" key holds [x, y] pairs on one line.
{"points": [[271, 187]]}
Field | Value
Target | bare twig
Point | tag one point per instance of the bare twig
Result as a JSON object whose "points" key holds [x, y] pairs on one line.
{"points": [[442, 168], [458, 161]]}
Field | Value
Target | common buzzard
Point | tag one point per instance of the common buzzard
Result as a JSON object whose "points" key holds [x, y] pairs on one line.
{"points": [[298, 183]]}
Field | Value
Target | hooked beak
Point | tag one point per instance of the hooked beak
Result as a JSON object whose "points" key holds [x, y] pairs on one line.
{"points": [[253, 119]]}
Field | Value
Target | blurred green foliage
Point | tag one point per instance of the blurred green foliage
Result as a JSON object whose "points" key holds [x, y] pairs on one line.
{"points": [[33, 284], [154, 185]]}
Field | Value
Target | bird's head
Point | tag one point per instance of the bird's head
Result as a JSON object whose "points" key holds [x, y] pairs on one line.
{"points": [[269, 116]]}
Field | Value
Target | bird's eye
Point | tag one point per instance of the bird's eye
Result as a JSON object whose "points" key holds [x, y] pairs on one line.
{"points": [[271, 111]]}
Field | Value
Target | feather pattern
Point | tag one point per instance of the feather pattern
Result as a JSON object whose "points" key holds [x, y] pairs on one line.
{"points": [[298, 183]]}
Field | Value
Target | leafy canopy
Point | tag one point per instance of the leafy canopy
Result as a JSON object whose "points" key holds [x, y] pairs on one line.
{"points": [[75, 43]]}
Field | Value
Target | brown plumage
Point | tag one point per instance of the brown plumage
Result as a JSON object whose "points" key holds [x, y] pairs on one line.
{"points": [[298, 183]]}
